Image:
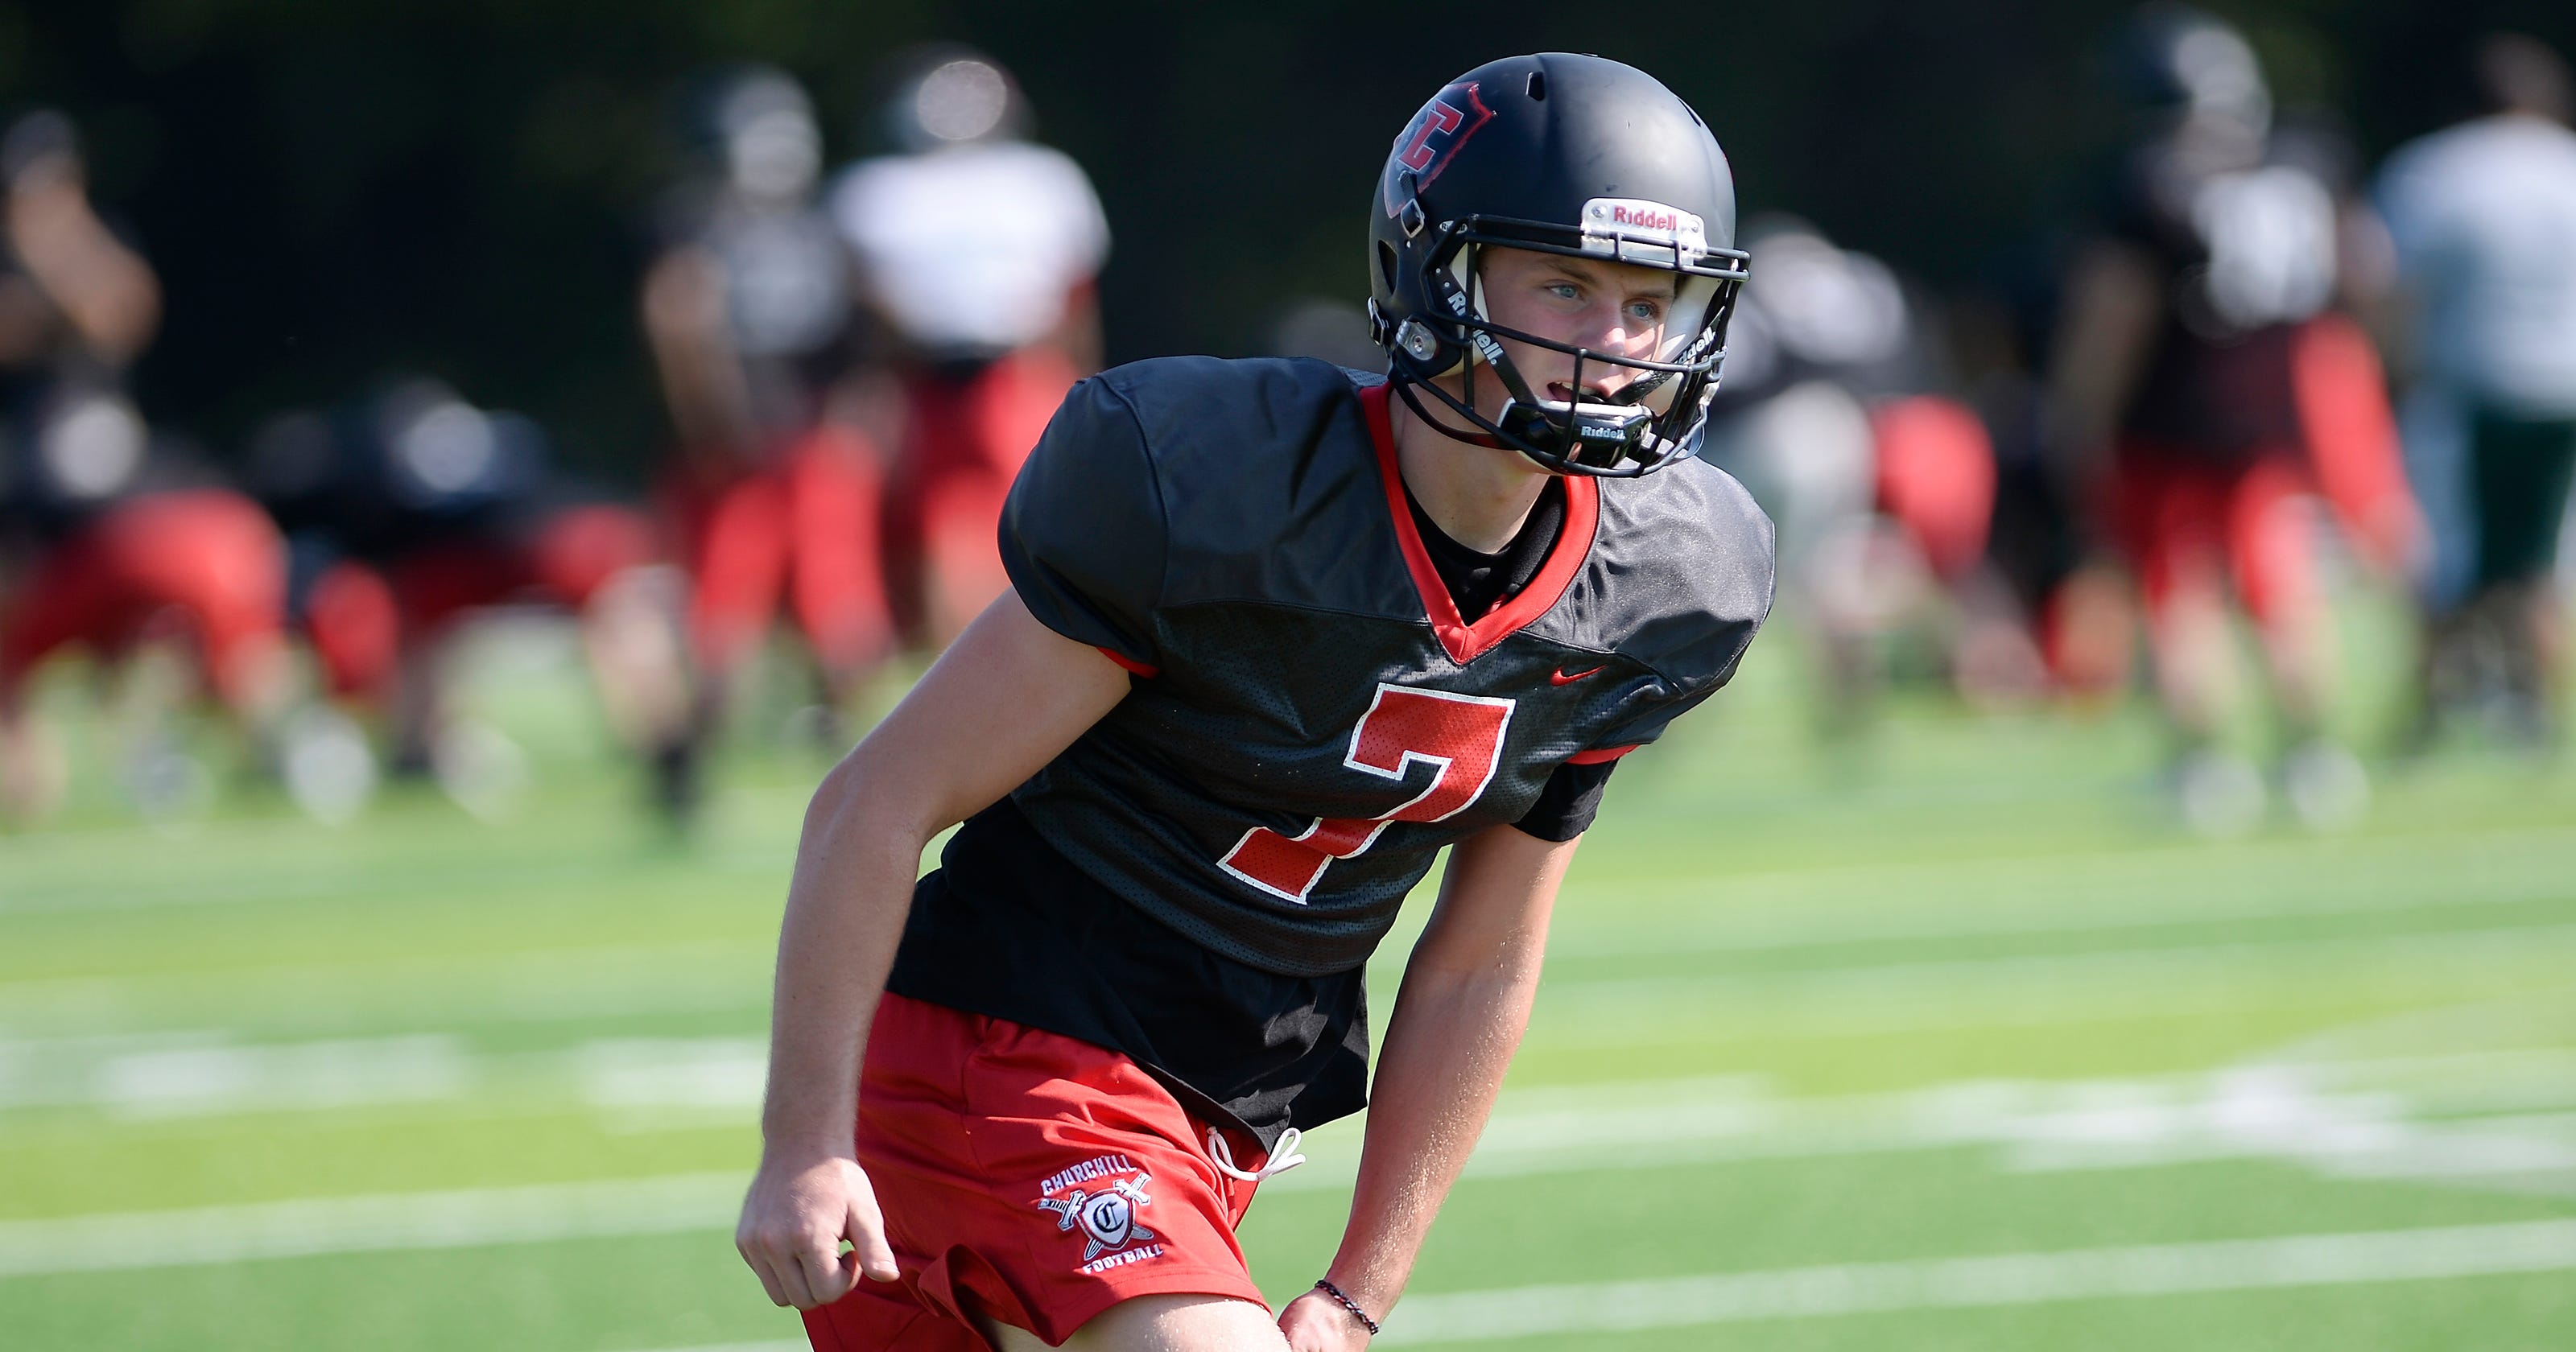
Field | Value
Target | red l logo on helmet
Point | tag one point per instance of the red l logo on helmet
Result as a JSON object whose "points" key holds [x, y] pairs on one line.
{"points": [[1434, 134], [1439, 119]]}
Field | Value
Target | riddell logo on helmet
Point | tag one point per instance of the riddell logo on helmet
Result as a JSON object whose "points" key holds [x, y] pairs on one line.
{"points": [[1636, 218], [1645, 218]]}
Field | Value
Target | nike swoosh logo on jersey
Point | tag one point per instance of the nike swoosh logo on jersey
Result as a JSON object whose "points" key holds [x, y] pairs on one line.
{"points": [[1561, 676]]}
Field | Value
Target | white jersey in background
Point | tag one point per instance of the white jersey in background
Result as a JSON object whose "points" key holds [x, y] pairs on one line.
{"points": [[972, 248], [2484, 217]]}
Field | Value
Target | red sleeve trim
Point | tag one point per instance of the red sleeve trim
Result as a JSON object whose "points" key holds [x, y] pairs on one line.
{"points": [[1135, 667], [1600, 754]]}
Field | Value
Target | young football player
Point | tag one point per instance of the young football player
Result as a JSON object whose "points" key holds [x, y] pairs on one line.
{"points": [[1277, 633], [2484, 218], [410, 512], [977, 251], [2209, 389], [109, 536], [1834, 416], [776, 489]]}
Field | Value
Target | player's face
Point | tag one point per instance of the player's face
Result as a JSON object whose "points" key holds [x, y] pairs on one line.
{"points": [[1618, 309]]}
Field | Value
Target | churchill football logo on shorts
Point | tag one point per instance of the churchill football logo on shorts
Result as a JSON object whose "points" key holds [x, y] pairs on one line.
{"points": [[1113, 1235]]}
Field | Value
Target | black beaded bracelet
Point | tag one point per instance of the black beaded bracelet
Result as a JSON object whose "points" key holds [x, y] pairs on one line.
{"points": [[1325, 1285]]}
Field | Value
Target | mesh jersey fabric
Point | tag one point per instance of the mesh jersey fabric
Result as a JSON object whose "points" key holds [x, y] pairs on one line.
{"points": [[1006, 928], [1477, 583], [1200, 518]]}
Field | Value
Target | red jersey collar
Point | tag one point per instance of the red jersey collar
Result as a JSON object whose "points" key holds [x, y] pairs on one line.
{"points": [[1463, 641]]}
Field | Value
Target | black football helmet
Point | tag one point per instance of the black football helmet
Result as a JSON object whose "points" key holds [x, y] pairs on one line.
{"points": [[947, 94], [752, 128], [2173, 63], [1563, 154]]}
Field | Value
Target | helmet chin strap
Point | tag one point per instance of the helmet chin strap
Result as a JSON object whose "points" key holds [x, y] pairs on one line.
{"points": [[1457, 278], [1480, 343], [1522, 415], [1647, 448], [1404, 389]]}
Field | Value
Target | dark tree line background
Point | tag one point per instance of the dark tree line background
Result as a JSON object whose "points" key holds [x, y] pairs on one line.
{"points": [[335, 188]]}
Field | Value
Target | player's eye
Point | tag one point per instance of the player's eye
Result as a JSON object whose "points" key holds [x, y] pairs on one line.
{"points": [[1647, 310], [1565, 290]]}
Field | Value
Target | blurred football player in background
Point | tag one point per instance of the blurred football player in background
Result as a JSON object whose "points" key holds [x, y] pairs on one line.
{"points": [[777, 488], [2205, 386], [1327, 330], [977, 251], [109, 538], [413, 511], [1882, 486], [2484, 219], [2072, 613]]}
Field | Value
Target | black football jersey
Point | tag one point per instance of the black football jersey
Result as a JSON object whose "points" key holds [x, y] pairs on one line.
{"points": [[1311, 720], [2242, 238]]}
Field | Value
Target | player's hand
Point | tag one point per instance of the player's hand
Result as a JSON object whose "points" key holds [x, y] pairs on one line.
{"points": [[1315, 1322], [793, 1222]]}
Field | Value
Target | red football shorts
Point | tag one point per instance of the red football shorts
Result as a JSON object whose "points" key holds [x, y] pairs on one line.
{"points": [[2190, 527], [564, 560], [208, 557], [1028, 1176], [359, 618], [356, 627], [964, 445], [805, 526], [1936, 477]]}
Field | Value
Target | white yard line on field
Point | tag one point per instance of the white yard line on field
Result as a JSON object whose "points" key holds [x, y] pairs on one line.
{"points": [[471, 1218], [2057, 893], [1986, 1282], [2328, 1118], [205, 1072], [533, 986], [1989, 1281], [1976, 991], [2335, 1120], [721, 976]]}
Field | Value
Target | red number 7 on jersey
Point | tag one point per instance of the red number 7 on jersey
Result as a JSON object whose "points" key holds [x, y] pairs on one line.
{"points": [[1459, 736]]}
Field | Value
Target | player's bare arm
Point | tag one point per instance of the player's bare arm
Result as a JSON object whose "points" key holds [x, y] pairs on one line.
{"points": [[2100, 350], [683, 308], [1002, 702], [103, 289], [1458, 1018]]}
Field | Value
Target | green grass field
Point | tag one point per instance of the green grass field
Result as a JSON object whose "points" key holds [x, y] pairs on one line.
{"points": [[1945, 1041]]}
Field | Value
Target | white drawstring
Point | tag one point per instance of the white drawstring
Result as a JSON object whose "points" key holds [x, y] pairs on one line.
{"points": [[1283, 1156]]}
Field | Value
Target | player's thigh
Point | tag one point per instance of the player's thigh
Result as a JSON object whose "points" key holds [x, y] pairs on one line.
{"points": [[2272, 545], [1174, 1323]]}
